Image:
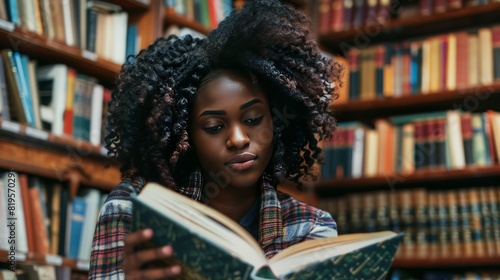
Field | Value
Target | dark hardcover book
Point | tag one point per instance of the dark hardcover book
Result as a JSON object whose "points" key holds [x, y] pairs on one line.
{"points": [[359, 12], [420, 154], [348, 11], [4, 99], [349, 145], [354, 75], [430, 144], [379, 70], [467, 138], [63, 216], [207, 244], [327, 167], [91, 29], [440, 142], [495, 33]]}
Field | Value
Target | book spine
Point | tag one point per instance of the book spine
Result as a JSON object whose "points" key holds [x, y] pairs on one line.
{"points": [[453, 223], [494, 203], [23, 87], [91, 30], [475, 219], [440, 140], [407, 216], [443, 233], [348, 14], [486, 222], [467, 138], [419, 157], [324, 16], [4, 99], [421, 222], [432, 224], [495, 34], [379, 71]]}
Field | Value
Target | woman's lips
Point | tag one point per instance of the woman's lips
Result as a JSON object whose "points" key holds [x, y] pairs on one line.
{"points": [[242, 161], [241, 165]]}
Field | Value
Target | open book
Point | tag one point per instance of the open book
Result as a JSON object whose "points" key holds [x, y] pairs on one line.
{"points": [[209, 245]]}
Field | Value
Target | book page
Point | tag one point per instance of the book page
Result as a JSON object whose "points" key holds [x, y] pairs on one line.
{"points": [[317, 250]]}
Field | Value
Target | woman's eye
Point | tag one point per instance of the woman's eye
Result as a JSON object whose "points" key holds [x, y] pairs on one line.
{"points": [[213, 129], [254, 121]]}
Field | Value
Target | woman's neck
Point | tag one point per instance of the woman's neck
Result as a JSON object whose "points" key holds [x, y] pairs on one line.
{"points": [[233, 202]]}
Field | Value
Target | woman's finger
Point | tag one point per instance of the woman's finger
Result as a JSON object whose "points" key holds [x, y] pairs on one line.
{"points": [[154, 273], [135, 238], [141, 257]]}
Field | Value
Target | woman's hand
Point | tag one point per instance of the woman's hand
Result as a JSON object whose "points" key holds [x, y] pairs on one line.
{"points": [[135, 259]]}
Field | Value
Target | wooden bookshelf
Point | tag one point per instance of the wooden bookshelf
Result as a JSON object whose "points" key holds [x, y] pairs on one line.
{"points": [[452, 262], [430, 177], [468, 99], [170, 17], [133, 5], [61, 158], [36, 258], [398, 29], [48, 51]]}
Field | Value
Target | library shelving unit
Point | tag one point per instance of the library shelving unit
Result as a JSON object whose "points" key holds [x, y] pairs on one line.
{"points": [[367, 111], [71, 161], [172, 18]]}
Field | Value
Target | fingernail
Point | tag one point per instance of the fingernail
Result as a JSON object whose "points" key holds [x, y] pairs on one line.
{"points": [[175, 269], [148, 232], [167, 250]]}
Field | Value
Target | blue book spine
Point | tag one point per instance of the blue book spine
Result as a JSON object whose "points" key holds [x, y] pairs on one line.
{"points": [[25, 67], [227, 7], [12, 11], [24, 90], [78, 209], [414, 70], [131, 47]]}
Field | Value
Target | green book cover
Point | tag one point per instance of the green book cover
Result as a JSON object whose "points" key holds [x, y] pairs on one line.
{"points": [[209, 245]]}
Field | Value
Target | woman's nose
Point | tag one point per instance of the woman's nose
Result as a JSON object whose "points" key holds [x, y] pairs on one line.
{"points": [[237, 138]]}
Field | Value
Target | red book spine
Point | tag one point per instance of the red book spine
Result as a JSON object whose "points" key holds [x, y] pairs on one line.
{"points": [[337, 15], [324, 16], [462, 60]]}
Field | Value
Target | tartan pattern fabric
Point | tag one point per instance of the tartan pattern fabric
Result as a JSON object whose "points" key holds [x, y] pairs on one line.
{"points": [[283, 222]]}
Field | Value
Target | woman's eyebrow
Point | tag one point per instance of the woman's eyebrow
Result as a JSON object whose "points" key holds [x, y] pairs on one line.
{"points": [[222, 112], [250, 103], [213, 112]]}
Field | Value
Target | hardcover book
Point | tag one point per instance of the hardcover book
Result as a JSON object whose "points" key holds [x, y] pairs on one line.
{"points": [[209, 245]]}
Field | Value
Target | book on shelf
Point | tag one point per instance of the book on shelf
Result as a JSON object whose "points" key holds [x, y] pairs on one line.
{"points": [[212, 245]]}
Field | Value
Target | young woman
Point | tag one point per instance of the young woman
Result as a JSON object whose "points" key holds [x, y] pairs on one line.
{"points": [[222, 120]]}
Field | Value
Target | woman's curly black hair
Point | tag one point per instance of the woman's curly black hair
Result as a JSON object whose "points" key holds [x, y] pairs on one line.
{"points": [[147, 130]]}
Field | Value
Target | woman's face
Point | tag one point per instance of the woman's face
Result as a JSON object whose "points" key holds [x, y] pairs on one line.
{"points": [[232, 130]]}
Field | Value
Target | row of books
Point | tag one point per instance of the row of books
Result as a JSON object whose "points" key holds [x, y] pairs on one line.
{"points": [[34, 271], [49, 222], [340, 15], [97, 26], [438, 63], [437, 223], [444, 140], [482, 274], [207, 12], [55, 98]]}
